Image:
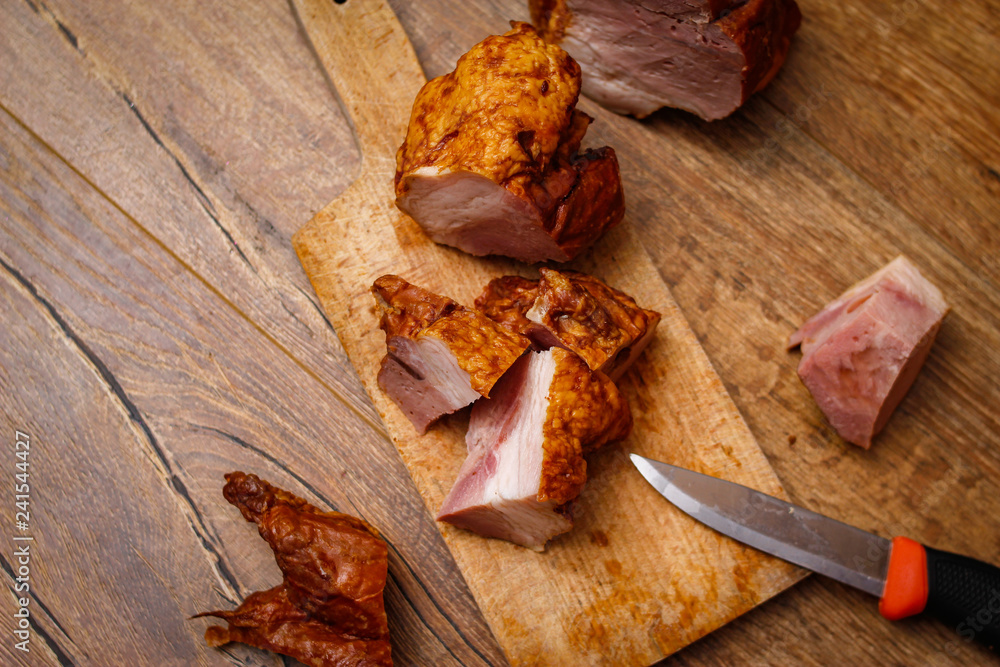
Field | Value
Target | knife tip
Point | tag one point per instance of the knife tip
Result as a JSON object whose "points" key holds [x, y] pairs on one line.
{"points": [[641, 462]]}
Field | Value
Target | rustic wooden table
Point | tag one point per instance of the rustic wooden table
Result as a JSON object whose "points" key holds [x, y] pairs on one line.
{"points": [[158, 331]]}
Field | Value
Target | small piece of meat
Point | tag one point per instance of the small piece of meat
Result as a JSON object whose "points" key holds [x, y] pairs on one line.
{"points": [[491, 164], [268, 620], [640, 55], [328, 611], [507, 300], [526, 445], [575, 311], [441, 355], [861, 353]]}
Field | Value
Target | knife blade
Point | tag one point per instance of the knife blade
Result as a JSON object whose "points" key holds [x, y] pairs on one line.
{"points": [[906, 576]]}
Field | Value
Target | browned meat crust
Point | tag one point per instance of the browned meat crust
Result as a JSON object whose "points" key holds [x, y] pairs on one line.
{"points": [[762, 30], [328, 611], [572, 310], [489, 163], [586, 411], [407, 309], [507, 300]]}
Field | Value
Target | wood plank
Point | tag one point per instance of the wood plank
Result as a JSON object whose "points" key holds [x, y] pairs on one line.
{"points": [[77, 526], [178, 193], [191, 149], [910, 105], [198, 392], [628, 585]]}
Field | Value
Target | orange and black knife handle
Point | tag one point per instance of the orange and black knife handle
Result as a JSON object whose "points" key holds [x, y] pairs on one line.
{"points": [[961, 591]]}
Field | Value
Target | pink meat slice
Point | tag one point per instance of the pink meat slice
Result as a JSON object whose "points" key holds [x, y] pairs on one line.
{"points": [[440, 356], [861, 353], [639, 55], [526, 445]]}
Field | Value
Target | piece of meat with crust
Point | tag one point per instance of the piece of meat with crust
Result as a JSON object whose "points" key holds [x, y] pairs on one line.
{"points": [[269, 621], [328, 610], [491, 164], [527, 444], [861, 353], [640, 56], [558, 14], [507, 300], [576, 311], [441, 355]]}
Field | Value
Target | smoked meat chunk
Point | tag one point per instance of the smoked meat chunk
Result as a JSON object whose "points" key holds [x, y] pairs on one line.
{"points": [[491, 163], [861, 353], [572, 310], [526, 446], [638, 56], [328, 610], [441, 356]]}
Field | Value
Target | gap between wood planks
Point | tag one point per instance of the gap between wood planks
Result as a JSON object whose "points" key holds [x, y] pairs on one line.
{"points": [[450, 637], [378, 427], [857, 174]]}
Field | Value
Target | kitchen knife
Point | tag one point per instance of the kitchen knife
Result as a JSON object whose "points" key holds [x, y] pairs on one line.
{"points": [[907, 577]]}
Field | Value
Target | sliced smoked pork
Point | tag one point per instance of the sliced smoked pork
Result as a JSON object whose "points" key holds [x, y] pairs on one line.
{"points": [[572, 310], [491, 160], [706, 57], [861, 353], [440, 356], [526, 448]]}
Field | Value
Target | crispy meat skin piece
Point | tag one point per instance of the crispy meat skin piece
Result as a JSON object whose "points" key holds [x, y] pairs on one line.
{"points": [[507, 300], [406, 309], [527, 444], [441, 355], [328, 611], [640, 55], [861, 352], [490, 161], [572, 310], [268, 620]]}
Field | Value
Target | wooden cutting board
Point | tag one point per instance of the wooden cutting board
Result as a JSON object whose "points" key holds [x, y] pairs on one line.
{"points": [[635, 580]]}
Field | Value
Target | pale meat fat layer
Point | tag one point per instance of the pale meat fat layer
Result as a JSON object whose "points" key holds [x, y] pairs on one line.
{"points": [[496, 492]]}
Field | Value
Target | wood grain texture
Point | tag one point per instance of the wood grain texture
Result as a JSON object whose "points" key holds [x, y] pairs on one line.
{"points": [[188, 244], [212, 129], [194, 426], [635, 580]]}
